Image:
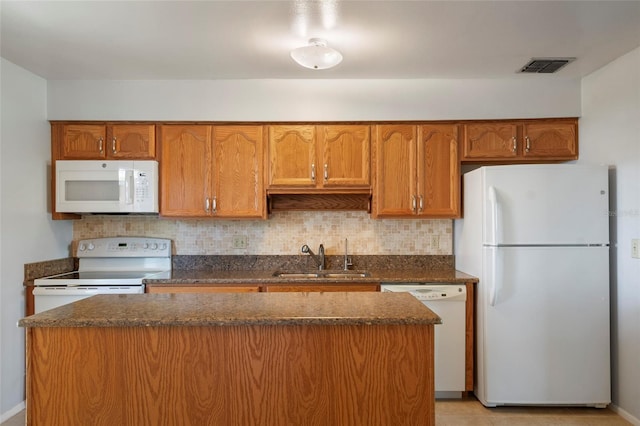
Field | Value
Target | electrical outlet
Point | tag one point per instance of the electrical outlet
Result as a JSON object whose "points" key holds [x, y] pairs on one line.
{"points": [[239, 241], [635, 248]]}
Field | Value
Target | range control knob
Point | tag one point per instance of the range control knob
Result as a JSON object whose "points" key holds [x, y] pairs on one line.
{"points": [[163, 246], [82, 247], [154, 246], [145, 246], [91, 246]]}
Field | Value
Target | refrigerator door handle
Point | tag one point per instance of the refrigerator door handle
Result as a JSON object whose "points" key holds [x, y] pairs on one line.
{"points": [[493, 276], [494, 206]]}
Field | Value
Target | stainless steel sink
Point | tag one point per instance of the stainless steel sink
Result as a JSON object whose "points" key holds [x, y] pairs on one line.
{"points": [[321, 274], [295, 274], [345, 274]]}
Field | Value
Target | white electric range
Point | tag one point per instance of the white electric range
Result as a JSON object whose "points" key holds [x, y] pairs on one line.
{"points": [[114, 265]]}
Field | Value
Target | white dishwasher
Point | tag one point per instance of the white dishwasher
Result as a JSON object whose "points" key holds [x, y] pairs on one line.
{"points": [[448, 301]]}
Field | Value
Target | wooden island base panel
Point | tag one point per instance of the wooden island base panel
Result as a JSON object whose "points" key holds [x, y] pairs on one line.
{"points": [[232, 359]]}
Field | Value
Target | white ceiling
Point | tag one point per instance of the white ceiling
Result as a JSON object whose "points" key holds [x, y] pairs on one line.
{"points": [[203, 40]]}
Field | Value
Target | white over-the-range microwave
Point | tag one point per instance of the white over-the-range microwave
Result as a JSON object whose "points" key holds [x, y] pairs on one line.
{"points": [[95, 186]]}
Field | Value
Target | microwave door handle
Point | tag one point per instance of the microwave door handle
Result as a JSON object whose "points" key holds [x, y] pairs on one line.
{"points": [[128, 187]]}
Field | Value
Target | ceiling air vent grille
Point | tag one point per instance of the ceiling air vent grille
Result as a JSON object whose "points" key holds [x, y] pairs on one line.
{"points": [[545, 65]]}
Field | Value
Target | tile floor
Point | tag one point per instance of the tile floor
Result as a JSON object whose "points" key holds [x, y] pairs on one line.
{"points": [[469, 411]]}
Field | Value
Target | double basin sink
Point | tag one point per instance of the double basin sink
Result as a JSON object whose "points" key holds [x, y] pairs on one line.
{"points": [[322, 274]]}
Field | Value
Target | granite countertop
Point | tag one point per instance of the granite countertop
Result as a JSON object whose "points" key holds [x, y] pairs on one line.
{"points": [[399, 276], [225, 309]]}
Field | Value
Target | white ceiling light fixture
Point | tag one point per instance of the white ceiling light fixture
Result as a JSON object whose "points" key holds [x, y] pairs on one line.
{"points": [[317, 55]]}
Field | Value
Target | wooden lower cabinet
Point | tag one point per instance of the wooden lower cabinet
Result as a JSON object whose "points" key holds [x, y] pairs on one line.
{"points": [[322, 287], [246, 374], [204, 288]]}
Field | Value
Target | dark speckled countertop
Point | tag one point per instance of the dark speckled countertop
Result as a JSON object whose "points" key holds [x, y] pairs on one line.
{"points": [[267, 277], [224, 309]]}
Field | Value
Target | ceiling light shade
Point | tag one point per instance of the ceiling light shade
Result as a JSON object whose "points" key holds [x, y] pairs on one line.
{"points": [[317, 55]]}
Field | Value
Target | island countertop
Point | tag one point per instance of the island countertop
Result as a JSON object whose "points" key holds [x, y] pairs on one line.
{"points": [[298, 308]]}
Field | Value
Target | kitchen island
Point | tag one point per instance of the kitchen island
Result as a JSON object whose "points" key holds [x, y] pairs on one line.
{"points": [[232, 359]]}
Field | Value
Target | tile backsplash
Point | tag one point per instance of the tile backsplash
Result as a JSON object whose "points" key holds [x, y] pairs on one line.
{"points": [[283, 234]]}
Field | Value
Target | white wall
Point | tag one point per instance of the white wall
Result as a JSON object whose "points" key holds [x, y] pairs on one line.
{"points": [[321, 100], [28, 233], [610, 134]]}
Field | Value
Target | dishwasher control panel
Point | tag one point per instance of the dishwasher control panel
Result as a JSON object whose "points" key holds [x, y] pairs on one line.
{"points": [[428, 291]]}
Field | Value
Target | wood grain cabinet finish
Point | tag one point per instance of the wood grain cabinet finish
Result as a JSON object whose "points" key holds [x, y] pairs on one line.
{"points": [[550, 141], [203, 288], [322, 287], [108, 142], [319, 157], [520, 141], [231, 375], [212, 171], [416, 171]]}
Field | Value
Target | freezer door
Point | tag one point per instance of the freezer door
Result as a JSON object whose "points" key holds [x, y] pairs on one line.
{"points": [[545, 204], [544, 326]]}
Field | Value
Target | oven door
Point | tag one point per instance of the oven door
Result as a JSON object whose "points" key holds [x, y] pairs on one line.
{"points": [[49, 297]]}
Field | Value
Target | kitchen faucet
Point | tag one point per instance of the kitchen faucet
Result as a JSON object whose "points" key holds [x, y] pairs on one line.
{"points": [[319, 258], [347, 260]]}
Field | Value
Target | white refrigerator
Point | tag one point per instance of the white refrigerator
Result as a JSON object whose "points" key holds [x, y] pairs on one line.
{"points": [[537, 237]]}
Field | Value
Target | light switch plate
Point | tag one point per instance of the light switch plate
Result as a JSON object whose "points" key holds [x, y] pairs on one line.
{"points": [[635, 248]]}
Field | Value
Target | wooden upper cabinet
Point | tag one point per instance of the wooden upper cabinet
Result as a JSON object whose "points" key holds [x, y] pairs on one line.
{"points": [[319, 157], [212, 171], [438, 171], [520, 141], [416, 171], [107, 142], [346, 155], [394, 165], [547, 140], [292, 156], [131, 141], [492, 140], [238, 170], [83, 141], [185, 170]]}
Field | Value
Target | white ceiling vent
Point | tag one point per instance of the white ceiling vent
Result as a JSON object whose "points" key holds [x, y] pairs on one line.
{"points": [[545, 65]]}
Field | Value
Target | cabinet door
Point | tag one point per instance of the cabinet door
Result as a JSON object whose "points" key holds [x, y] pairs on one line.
{"points": [[238, 189], [491, 141], [322, 287], [185, 170], [132, 141], [292, 153], [345, 155], [394, 160], [83, 142], [438, 171], [213, 288], [552, 140]]}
